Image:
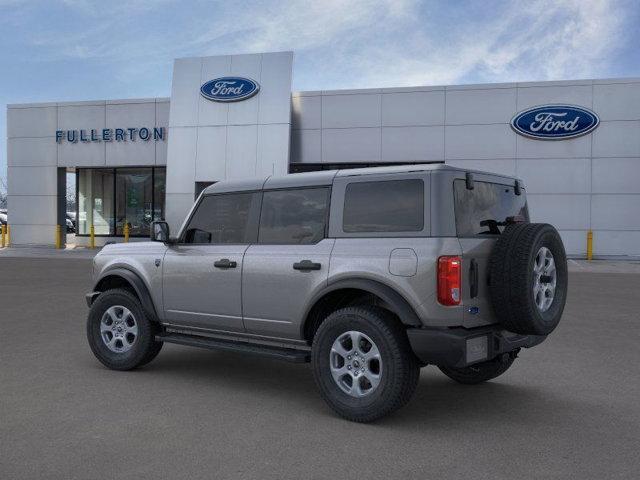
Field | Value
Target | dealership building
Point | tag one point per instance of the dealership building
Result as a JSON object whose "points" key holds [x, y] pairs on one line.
{"points": [[575, 145]]}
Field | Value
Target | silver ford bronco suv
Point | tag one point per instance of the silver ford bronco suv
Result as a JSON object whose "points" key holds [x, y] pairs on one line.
{"points": [[369, 274]]}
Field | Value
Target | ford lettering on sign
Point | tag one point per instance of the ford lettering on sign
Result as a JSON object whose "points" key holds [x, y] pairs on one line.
{"points": [[229, 89], [555, 122]]}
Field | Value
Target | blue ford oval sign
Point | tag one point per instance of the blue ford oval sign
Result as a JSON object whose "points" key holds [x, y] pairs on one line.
{"points": [[555, 122], [229, 89]]}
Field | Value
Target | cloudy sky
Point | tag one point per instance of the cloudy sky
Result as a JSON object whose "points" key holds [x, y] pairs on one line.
{"points": [[86, 49]]}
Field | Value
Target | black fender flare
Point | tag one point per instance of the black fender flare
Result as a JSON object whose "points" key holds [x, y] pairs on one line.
{"points": [[397, 303], [136, 282]]}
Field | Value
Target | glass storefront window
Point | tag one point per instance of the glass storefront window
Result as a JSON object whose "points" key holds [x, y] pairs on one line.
{"points": [[95, 201], [134, 200], [107, 198], [159, 193]]}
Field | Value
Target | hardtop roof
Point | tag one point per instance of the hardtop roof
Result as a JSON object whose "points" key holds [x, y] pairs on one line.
{"points": [[326, 177]]}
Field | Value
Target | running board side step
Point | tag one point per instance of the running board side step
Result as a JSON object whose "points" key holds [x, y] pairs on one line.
{"points": [[279, 353]]}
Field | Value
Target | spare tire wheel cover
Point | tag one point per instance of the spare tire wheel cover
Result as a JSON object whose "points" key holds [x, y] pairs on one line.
{"points": [[528, 278]]}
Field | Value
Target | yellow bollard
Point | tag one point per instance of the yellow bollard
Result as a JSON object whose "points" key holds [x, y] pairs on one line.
{"points": [[3, 229], [126, 232], [589, 245], [8, 235], [92, 237], [58, 237]]}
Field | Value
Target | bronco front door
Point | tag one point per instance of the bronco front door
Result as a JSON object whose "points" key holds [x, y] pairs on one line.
{"points": [[202, 274]]}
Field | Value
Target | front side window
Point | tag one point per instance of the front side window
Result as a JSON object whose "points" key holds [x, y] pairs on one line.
{"points": [[297, 216], [485, 209], [221, 219], [384, 206]]}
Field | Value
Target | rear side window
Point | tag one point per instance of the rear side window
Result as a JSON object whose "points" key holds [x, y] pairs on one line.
{"points": [[297, 216], [224, 218], [385, 206], [484, 210]]}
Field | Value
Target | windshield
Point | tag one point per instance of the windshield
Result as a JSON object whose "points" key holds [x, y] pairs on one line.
{"points": [[485, 209]]}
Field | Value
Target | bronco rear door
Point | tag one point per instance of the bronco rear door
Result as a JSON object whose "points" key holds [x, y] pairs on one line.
{"points": [[482, 207]]}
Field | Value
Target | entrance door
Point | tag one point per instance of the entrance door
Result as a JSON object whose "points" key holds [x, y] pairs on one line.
{"points": [[289, 262], [202, 274]]}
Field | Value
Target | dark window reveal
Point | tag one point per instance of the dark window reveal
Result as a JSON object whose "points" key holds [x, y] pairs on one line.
{"points": [[485, 209], [297, 216], [223, 219], [387, 206]]}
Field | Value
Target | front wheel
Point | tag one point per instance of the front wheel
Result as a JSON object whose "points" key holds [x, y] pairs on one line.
{"points": [[363, 364], [119, 332]]}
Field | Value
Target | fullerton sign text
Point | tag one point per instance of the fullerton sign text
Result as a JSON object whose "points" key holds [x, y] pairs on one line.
{"points": [[111, 135]]}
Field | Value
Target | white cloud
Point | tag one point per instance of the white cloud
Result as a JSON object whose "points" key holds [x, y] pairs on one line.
{"points": [[542, 40], [362, 43]]}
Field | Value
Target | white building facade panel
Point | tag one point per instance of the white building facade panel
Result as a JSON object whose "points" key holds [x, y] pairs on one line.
{"points": [[32, 180], [481, 106], [32, 152], [32, 122], [619, 101], [416, 143], [407, 109], [616, 175], [306, 146]]}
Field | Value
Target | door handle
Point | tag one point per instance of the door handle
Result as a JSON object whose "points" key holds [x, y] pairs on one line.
{"points": [[473, 278], [306, 265], [225, 263]]}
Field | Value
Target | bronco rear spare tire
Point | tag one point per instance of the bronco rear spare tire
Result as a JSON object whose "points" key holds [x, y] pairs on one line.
{"points": [[528, 278]]}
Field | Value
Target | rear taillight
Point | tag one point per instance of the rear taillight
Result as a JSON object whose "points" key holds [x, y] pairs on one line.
{"points": [[449, 280]]}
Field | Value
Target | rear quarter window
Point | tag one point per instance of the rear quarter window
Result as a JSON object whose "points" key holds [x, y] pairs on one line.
{"points": [[384, 206], [485, 209]]}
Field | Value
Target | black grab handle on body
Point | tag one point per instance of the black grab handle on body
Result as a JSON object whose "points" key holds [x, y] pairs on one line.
{"points": [[306, 265], [225, 263]]}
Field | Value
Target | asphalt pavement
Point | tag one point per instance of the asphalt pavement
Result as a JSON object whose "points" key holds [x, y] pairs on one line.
{"points": [[569, 408]]}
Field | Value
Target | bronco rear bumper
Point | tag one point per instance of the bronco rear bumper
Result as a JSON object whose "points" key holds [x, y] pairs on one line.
{"points": [[459, 347]]}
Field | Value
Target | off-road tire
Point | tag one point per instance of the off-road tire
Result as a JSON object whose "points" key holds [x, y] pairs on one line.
{"points": [[480, 372], [153, 352], [511, 278], [400, 370], [145, 348]]}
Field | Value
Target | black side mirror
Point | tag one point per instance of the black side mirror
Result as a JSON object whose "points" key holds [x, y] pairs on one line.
{"points": [[160, 232]]}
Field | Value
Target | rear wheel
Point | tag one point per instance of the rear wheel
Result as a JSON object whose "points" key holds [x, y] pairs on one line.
{"points": [[363, 364], [480, 372], [119, 331]]}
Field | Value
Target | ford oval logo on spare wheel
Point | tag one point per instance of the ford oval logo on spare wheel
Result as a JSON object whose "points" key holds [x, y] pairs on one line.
{"points": [[555, 122], [229, 89]]}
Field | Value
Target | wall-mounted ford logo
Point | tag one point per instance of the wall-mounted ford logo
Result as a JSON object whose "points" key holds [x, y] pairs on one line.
{"points": [[555, 122], [229, 89]]}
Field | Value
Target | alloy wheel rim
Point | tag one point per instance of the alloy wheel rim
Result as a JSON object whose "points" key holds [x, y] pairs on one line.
{"points": [[544, 279], [355, 364], [118, 329]]}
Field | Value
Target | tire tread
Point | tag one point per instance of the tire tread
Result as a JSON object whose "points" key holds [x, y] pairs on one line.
{"points": [[145, 352], [405, 364]]}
